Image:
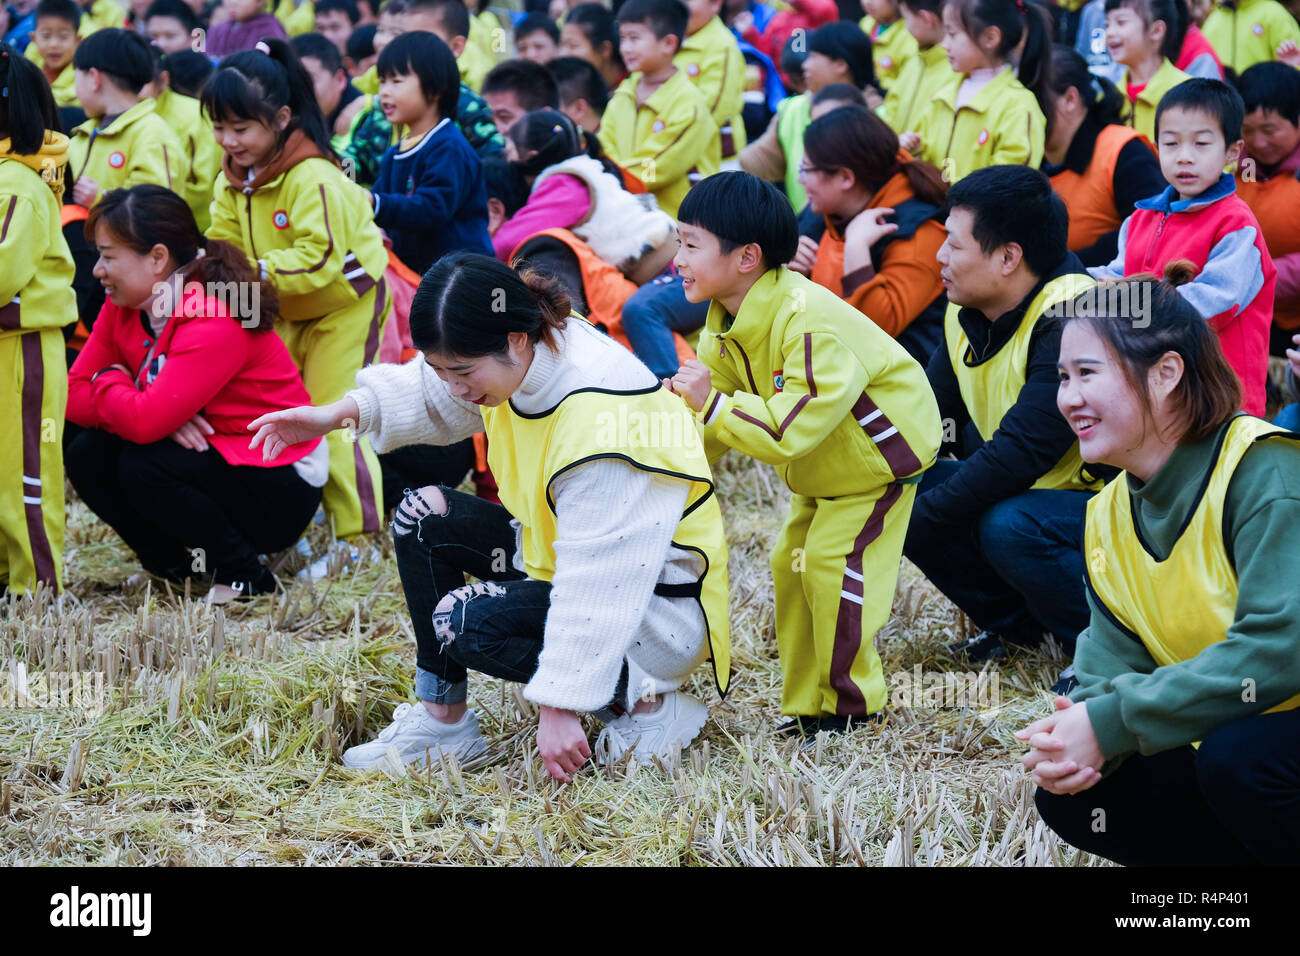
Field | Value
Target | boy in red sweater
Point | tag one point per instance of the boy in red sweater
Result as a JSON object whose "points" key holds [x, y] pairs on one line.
{"points": [[1200, 218]]}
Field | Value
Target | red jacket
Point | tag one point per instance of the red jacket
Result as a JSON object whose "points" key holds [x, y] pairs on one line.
{"points": [[1234, 287], [804, 15], [203, 361]]}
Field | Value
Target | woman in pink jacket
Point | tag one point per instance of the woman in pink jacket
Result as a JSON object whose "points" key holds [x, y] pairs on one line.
{"points": [[181, 359]]}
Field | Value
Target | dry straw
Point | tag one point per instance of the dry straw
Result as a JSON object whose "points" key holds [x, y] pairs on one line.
{"points": [[219, 736]]}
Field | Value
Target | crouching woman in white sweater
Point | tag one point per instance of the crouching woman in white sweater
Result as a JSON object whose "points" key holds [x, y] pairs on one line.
{"points": [[602, 582]]}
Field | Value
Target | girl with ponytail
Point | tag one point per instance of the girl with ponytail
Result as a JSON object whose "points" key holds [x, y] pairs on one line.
{"points": [[573, 186], [601, 578], [882, 233], [36, 273], [1185, 727], [1099, 167], [1145, 37], [285, 202], [181, 358], [990, 114]]}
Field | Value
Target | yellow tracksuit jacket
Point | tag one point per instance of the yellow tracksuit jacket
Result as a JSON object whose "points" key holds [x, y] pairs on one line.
{"points": [[137, 147], [36, 291], [804, 381], [296, 20], [65, 93], [891, 48], [185, 116], [667, 142], [473, 65], [368, 82], [1142, 112], [102, 14], [313, 234], [1001, 124], [712, 60], [1250, 32], [919, 79]]}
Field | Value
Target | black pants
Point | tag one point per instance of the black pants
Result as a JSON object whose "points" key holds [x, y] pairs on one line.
{"points": [[495, 627], [168, 502], [1235, 801], [415, 466]]}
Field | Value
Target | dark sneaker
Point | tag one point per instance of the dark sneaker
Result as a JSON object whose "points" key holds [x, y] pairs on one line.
{"points": [[829, 723], [990, 646]]}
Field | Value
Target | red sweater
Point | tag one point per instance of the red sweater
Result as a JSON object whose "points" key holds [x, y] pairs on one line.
{"points": [[204, 362], [1235, 285]]}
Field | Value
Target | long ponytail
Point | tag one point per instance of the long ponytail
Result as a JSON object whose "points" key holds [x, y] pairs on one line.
{"points": [[148, 215], [1105, 103], [256, 84], [27, 108]]}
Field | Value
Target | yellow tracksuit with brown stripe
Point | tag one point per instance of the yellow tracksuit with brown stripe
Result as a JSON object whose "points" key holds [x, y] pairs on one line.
{"points": [[36, 301], [803, 381], [136, 147], [313, 234]]}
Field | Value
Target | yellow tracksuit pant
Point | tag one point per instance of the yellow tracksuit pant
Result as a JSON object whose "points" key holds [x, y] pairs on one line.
{"points": [[835, 568], [329, 352], [32, 408]]}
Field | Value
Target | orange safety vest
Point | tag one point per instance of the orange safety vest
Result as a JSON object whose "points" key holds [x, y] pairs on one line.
{"points": [[67, 216], [1274, 203], [1090, 197]]}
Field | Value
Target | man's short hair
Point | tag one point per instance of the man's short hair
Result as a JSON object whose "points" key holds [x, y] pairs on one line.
{"points": [[740, 208], [453, 14], [346, 7], [1015, 204], [1271, 86], [1212, 97], [318, 48], [533, 85]]}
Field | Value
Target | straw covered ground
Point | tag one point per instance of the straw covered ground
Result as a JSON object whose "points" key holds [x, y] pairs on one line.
{"points": [[216, 738]]}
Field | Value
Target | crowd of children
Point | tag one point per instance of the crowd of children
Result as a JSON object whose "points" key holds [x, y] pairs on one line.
{"points": [[994, 284]]}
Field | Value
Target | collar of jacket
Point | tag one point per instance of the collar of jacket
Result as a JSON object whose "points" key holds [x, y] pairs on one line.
{"points": [[119, 123], [1168, 202], [987, 338], [760, 312], [297, 147], [984, 97]]}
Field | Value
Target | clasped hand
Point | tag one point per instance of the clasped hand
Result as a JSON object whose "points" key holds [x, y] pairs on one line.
{"points": [[1064, 756]]}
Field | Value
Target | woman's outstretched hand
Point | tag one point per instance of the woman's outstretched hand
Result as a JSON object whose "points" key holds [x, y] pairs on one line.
{"points": [[276, 431]]}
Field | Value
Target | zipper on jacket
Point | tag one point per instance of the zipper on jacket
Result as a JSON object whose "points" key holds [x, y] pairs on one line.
{"points": [[952, 132], [1159, 229], [252, 244]]}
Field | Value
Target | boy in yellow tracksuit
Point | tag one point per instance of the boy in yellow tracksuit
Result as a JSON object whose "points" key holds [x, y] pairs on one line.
{"points": [[892, 46], [198, 143], [58, 27], [313, 235], [657, 126], [36, 274], [711, 58], [124, 143], [921, 76], [792, 375]]}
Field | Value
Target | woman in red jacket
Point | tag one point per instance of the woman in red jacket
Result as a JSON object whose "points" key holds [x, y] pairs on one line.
{"points": [[181, 359]]}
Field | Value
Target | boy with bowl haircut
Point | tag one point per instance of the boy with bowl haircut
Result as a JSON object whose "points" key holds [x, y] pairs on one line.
{"points": [[1200, 218], [657, 126], [794, 376]]}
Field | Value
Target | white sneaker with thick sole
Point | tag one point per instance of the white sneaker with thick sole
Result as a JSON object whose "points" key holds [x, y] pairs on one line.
{"points": [[414, 732], [664, 733]]}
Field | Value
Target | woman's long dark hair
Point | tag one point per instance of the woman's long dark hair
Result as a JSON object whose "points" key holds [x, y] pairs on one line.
{"points": [[1209, 392], [467, 305], [252, 85], [856, 139], [147, 215], [1105, 103]]}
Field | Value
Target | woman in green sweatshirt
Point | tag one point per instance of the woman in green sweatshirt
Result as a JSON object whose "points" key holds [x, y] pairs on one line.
{"points": [[1181, 744]]}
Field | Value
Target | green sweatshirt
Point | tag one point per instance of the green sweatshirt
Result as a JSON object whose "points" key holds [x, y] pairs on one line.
{"points": [[1136, 707]]}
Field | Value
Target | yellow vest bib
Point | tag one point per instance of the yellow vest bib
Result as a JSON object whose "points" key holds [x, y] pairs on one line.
{"points": [[648, 428], [1181, 605], [992, 387]]}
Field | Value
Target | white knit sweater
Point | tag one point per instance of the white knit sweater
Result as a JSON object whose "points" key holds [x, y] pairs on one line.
{"points": [[614, 526]]}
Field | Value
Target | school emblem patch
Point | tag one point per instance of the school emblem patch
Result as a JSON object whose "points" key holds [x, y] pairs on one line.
{"points": [[1257, 29], [658, 126], [280, 219], [778, 380], [116, 160], [692, 70], [886, 62], [982, 138]]}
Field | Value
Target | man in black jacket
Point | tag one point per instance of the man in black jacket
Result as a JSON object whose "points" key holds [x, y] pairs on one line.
{"points": [[1000, 532]]}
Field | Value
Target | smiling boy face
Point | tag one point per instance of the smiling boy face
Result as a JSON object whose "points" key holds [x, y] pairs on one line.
{"points": [[1193, 152], [56, 41]]}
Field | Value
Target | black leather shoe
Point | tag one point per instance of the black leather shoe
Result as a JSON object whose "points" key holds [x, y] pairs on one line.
{"points": [[989, 646]]}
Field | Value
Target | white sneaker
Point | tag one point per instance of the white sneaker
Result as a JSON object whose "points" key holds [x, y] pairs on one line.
{"points": [[414, 732], [338, 556], [663, 733]]}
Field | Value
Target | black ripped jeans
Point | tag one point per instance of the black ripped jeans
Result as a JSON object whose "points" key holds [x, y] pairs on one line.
{"points": [[495, 626]]}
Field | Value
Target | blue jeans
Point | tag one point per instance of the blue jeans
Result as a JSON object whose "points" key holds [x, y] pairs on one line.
{"points": [[1016, 569], [1289, 418], [650, 317]]}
